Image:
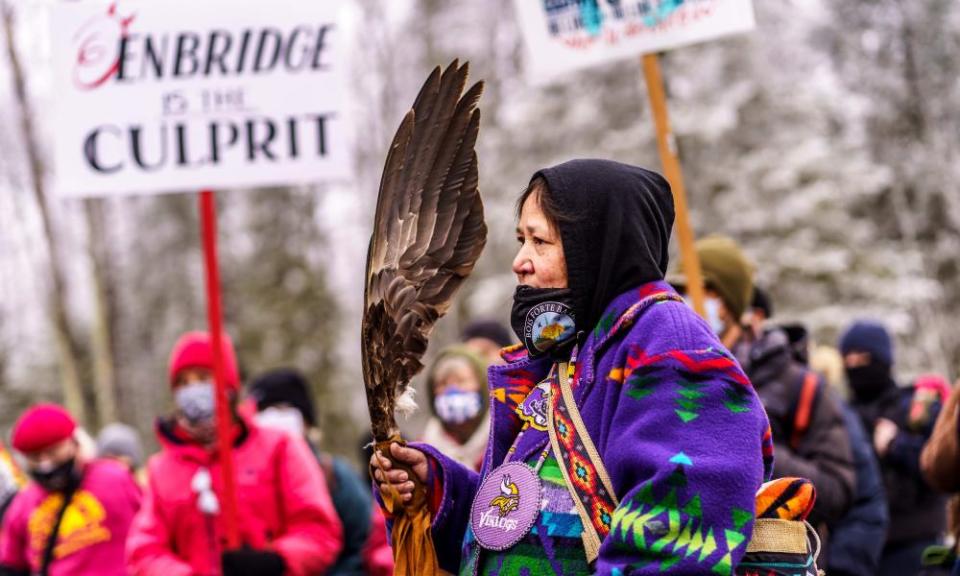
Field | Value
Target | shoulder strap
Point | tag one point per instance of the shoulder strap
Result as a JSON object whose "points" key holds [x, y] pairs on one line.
{"points": [[581, 466], [55, 533], [583, 471], [802, 416]]}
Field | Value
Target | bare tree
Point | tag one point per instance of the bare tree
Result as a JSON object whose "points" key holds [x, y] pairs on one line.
{"points": [[104, 303], [68, 351]]}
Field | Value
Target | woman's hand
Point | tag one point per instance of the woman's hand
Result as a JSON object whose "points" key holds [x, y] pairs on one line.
{"points": [[386, 475]]}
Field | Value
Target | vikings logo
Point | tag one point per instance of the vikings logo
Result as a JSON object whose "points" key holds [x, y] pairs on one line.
{"points": [[509, 498]]}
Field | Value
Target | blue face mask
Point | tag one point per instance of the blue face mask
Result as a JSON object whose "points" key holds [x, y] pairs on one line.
{"points": [[457, 406]]}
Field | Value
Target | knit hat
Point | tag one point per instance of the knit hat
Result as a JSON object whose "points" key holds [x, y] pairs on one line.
{"points": [[195, 350], [725, 270], [868, 336], [120, 440], [934, 383], [284, 386], [41, 427], [489, 330]]}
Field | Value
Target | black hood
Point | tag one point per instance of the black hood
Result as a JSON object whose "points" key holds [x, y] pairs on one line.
{"points": [[618, 234]]}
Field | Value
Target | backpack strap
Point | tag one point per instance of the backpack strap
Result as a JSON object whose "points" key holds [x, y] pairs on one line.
{"points": [[581, 466], [51, 542], [804, 411]]}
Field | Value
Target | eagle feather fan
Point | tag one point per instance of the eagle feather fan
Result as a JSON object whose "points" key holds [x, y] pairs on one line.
{"points": [[428, 233]]}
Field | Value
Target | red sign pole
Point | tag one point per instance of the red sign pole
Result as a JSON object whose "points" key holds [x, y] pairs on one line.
{"points": [[208, 230]]}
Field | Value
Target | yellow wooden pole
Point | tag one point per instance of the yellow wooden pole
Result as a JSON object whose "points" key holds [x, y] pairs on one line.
{"points": [[671, 170]]}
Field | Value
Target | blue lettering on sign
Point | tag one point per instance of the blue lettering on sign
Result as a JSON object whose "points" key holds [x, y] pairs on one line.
{"points": [[664, 10], [588, 16]]}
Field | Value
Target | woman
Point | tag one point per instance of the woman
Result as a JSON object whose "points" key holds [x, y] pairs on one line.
{"points": [[460, 426], [285, 518], [660, 474]]}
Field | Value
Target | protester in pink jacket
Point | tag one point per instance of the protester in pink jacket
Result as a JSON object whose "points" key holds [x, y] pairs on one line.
{"points": [[286, 519], [42, 536]]}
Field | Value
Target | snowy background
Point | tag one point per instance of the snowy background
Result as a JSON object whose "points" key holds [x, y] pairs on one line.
{"points": [[826, 142]]}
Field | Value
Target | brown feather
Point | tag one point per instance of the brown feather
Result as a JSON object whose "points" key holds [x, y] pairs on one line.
{"points": [[428, 234]]}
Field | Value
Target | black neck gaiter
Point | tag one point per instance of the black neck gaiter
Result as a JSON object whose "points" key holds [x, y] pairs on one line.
{"points": [[59, 478], [870, 382], [544, 320]]}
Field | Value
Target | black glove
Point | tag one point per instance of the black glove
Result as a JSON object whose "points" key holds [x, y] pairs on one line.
{"points": [[249, 562]]}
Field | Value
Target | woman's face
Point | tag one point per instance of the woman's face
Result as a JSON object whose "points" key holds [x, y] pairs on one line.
{"points": [[192, 376], [455, 373], [540, 262]]}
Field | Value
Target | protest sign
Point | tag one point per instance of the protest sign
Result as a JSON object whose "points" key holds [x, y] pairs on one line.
{"points": [[566, 35], [177, 95]]}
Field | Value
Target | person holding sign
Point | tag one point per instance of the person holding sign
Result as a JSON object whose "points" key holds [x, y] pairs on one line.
{"points": [[286, 518], [625, 438]]}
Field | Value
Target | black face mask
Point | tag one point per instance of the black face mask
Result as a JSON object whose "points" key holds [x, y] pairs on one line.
{"points": [[543, 319], [59, 478], [870, 381]]}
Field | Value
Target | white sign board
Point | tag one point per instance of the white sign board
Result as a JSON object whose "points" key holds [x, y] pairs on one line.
{"points": [[182, 95], [566, 35]]}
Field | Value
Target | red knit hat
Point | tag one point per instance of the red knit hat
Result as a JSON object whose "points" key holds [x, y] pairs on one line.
{"points": [[41, 427], [195, 350]]}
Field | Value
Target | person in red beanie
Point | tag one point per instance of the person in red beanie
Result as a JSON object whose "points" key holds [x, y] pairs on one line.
{"points": [[74, 517], [286, 519]]}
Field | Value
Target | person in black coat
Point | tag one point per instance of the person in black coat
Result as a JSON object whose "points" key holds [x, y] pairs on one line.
{"points": [[917, 512]]}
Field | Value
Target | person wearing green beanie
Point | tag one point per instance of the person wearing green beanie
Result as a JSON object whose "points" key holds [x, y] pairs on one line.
{"points": [[728, 282], [811, 442]]}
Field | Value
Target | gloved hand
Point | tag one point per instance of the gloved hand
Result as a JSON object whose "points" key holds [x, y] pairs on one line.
{"points": [[249, 562]]}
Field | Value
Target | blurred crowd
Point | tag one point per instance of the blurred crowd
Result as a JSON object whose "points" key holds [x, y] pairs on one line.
{"points": [[883, 455]]}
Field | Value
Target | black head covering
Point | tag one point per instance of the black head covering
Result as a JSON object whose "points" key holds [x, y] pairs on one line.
{"points": [[284, 386], [488, 329], [617, 229], [762, 301]]}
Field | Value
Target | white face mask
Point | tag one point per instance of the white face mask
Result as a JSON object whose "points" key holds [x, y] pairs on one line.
{"points": [[711, 307], [288, 420]]}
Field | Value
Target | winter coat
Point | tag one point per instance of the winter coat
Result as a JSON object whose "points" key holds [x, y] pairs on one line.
{"points": [[917, 511], [353, 503], [677, 426], [469, 454], [822, 454], [282, 505], [856, 540], [377, 554], [93, 530]]}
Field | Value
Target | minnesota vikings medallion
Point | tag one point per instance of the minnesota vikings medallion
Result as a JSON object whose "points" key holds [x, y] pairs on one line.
{"points": [[506, 506]]}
